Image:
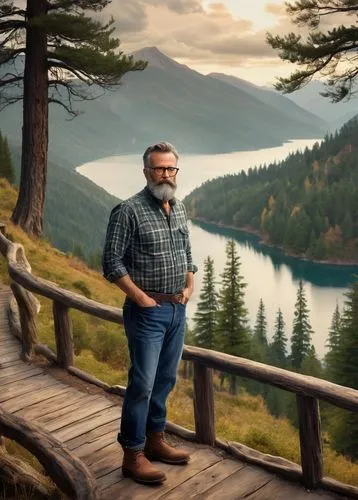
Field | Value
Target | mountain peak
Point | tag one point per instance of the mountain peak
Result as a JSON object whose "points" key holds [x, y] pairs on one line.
{"points": [[157, 59]]}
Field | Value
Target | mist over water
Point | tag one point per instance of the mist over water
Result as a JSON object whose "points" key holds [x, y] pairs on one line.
{"points": [[270, 274]]}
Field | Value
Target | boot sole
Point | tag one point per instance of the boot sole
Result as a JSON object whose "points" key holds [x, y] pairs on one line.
{"points": [[128, 473], [165, 461]]}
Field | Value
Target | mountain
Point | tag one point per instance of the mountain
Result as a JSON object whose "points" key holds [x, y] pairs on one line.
{"points": [[168, 100], [310, 99], [76, 209], [306, 204], [274, 99]]}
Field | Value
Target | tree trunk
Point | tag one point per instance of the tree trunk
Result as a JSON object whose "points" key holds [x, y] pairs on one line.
{"points": [[29, 208]]}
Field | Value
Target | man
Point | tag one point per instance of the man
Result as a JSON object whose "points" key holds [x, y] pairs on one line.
{"points": [[147, 255]]}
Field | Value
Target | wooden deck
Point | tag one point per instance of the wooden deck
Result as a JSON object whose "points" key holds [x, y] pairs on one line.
{"points": [[88, 425]]}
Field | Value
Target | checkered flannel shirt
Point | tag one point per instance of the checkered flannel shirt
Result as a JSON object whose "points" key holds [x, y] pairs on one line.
{"points": [[149, 245]]}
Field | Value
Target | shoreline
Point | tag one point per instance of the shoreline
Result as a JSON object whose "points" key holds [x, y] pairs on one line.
{"points": [[249, 230]]}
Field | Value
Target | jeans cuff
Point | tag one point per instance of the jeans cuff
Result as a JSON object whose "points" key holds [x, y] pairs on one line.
{"points": [[128, 445], [156, 428]]}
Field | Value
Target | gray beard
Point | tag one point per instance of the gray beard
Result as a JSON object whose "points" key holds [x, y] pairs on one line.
{"points": [[164, 192]]}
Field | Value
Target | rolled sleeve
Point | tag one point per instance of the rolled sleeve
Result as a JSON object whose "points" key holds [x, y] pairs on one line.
{"points": [[192, 268], [119, 233]]}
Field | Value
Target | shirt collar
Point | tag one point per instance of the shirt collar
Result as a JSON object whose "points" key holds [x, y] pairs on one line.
{"points": [[148, 192]]}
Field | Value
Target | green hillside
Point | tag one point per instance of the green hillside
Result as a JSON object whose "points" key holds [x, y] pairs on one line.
{"points": [[76, 210], [306, 204]]}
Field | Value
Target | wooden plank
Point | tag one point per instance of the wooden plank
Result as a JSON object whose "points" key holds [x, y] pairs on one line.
{"points": [[94, 434], [10, 357], [67, 397], [101, 462], [96, 445], [205, 479], [28, 385], [14, 362], [241, 484], [104, 482], [87, 424], [127, 489], [4, 350], [11, 370], [283, 490], [4, 342], [22, 375], [83, 409], [40, 395], [77, 400]]}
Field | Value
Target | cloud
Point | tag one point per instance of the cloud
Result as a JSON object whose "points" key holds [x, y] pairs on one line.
{"points": [[197, 33]]}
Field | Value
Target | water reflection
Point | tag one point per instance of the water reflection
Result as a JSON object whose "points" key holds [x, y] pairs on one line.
{"points": [[321, 275]]}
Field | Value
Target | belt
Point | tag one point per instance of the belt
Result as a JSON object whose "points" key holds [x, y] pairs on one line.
{"points": [[174, 298]]}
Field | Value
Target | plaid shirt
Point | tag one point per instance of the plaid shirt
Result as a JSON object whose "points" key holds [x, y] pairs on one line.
{"points": [[149, 245]]}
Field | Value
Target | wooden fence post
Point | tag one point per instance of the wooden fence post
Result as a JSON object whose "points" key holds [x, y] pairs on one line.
{"points": [[204, 404], [310, 441], [63, 334], [27, 312]]}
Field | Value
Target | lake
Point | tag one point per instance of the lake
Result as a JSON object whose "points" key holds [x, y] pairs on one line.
{"points": [[270, 274]]}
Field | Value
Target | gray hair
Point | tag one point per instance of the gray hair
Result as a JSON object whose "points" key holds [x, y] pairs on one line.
{"points": [[161, 147]]}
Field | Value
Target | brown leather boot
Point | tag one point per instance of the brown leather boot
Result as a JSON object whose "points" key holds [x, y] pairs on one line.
{"points": [[136, 466], [157, 449]]}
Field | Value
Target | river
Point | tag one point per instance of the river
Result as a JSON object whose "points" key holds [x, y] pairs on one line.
{"points": [[269, 274]]}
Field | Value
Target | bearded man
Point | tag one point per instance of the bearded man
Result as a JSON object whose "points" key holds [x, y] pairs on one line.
{"points": [[147, 254]]}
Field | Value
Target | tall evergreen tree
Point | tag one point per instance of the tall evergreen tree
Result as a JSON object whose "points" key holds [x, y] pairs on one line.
{"points": [[278, 347], [205, 318], [260, 333], [345, 435], [233, 337], [65, 52], [302, 330], [333, 344], [6, 166], [327, 50]]}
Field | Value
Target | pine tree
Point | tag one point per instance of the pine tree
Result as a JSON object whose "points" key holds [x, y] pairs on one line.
{"points": [[322, 51], [260, 334], [278, 348], [66, 51], [345, 435], [302, 330], [333, 344], [232, 326], [6, 166], [205, 318]]}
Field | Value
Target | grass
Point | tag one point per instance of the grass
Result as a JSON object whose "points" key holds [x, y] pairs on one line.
{"points": [[101, 350]]}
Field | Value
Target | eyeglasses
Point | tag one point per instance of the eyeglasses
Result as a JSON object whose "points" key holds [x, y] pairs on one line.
{"points": [[172, 171]]}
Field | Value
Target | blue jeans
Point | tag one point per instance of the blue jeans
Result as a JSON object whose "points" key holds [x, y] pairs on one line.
{"points": [[155, 340]]}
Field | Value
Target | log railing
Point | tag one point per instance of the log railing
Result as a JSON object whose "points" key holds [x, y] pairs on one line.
{"points": [[308, 389]]}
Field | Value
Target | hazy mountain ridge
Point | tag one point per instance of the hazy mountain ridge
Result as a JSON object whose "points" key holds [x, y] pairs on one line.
{"points": [[272, 98], [168, 101]]}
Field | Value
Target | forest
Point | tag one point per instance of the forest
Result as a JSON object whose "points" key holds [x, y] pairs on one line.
{"points": [[306, 204], [221, 323]]}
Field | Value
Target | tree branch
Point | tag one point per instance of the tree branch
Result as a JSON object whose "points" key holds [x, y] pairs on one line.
{"points": [[13, 79], [13, 24], [67, 108]]}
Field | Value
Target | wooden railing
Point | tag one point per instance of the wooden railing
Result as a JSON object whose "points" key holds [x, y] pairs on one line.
{"points": [[308, 390]]}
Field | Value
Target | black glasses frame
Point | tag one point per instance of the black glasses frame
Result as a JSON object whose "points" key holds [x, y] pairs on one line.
{"points": [[172, 171]]}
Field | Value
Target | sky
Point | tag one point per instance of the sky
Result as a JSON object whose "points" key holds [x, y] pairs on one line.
{"points": [[226, 36]]}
